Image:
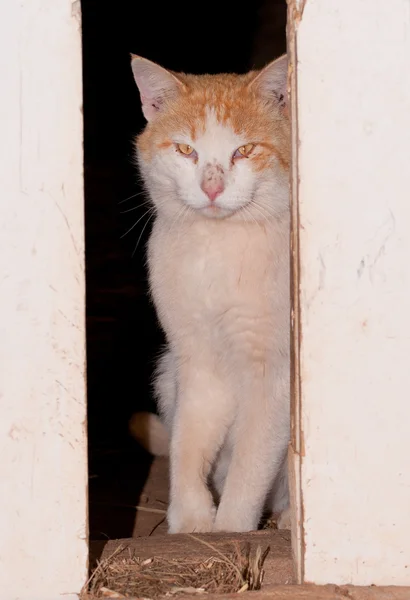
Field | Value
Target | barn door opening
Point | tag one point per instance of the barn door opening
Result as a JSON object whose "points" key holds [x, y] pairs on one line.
{"points": [[123, 338]]}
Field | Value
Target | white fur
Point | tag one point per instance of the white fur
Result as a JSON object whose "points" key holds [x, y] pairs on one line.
{"points": [[220, 281], [149, 431], [173, 180]]}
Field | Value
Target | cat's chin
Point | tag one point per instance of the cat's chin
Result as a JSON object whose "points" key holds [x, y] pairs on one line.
{"points": [[214, 211]]}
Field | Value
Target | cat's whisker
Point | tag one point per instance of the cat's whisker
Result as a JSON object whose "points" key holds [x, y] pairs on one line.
{"points": [[265, 209], [179, 217], [140, 235], [262, 211], [150, 210], [133, 196], [183, 219], [123, 212], [140, 205], [249, 214], [180, 214]]}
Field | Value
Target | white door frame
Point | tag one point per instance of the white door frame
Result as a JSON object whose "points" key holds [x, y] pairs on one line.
{"points": [[350, 90], [43, 467]]}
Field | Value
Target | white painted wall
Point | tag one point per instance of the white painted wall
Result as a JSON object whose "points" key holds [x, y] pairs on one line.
{"points": [[351, 66], [43, 469]]}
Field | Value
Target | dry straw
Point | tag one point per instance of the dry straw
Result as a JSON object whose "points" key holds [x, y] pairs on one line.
{"points": [[119, 576]]}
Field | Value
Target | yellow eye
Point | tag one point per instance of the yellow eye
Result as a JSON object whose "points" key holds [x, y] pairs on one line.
{"points": [[185, 149], [246, 150]]}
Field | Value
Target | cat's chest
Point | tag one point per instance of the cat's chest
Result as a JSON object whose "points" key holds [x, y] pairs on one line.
{"points": [[207, 270]]}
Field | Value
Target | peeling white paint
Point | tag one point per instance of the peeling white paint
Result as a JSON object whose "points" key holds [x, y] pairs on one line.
{"points": [[353, 119], [43, 470]]}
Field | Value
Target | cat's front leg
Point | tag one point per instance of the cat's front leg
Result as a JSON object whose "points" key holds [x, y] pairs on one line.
{"points": [[261, 442], [203, 411]]}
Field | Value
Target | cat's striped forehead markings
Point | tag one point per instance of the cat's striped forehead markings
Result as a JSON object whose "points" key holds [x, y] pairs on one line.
{"points": [[234, 104], [227, 96], [165, 144]]}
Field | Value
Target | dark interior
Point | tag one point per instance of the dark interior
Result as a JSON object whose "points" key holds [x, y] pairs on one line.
{"points": [[122, 332]]}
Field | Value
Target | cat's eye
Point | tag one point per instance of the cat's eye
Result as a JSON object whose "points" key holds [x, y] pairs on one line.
{"points": [[244, 150], [185, 149]]}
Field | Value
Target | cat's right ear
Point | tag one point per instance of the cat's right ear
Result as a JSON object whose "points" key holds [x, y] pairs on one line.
{"points": [[272, 82], [155, 85]]}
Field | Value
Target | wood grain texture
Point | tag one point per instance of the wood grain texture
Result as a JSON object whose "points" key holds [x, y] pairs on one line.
{"points": [[43, 471], [351, 181]]}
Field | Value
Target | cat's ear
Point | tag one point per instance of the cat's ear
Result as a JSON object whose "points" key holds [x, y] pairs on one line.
{"points": [[272, 81], [155, 85]]}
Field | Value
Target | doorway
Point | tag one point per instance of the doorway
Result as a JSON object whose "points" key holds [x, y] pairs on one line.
{"points": [[122, 332]]}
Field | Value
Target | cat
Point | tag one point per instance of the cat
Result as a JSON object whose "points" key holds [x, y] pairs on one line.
{"points": [[214, 157]]}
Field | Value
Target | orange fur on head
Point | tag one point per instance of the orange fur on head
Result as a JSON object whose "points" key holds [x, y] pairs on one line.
{"points": [[236, 100]]}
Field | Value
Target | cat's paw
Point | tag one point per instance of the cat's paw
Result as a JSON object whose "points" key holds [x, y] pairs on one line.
{"points": [[234, 520], [284, 521], [191, 515]]}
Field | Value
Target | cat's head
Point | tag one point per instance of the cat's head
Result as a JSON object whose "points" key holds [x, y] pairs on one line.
{"points": [[215, 145]]}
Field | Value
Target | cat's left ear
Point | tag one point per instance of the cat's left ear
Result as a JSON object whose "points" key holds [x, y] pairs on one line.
{"points": [[155, 84], [272, 81]]}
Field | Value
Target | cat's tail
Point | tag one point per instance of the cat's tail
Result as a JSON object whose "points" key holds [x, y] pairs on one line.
{"points": [[149, 431]]}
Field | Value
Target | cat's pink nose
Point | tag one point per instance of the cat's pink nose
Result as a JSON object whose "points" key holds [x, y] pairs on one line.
{"points": [[212, 188]]}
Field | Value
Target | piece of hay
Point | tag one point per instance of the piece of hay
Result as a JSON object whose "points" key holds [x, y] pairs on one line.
{"points": [[239, 570]]}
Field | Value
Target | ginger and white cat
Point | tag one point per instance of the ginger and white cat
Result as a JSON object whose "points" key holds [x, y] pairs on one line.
{"points": [[215, 160]]}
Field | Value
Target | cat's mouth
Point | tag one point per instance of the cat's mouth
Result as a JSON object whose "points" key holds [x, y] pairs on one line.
{"points": [[222, 210], [215, 211]]}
